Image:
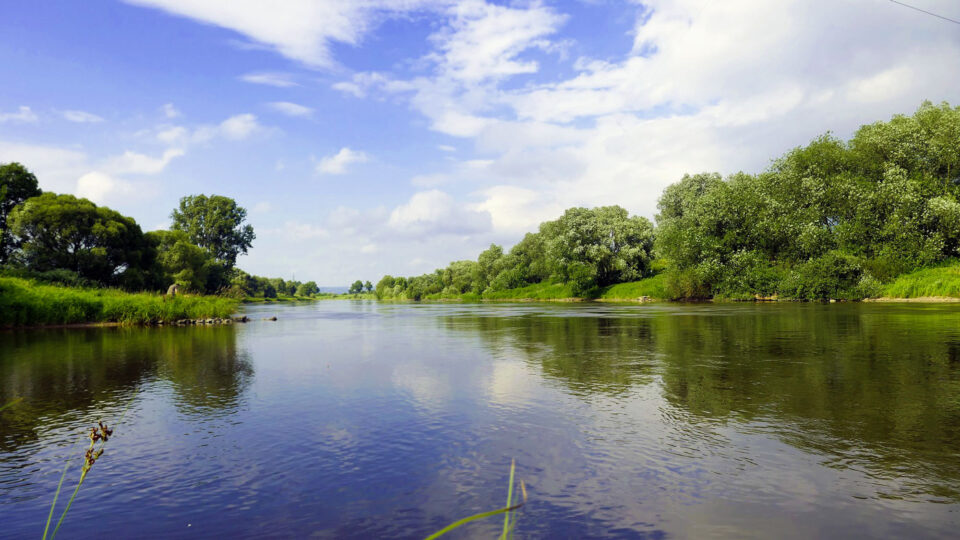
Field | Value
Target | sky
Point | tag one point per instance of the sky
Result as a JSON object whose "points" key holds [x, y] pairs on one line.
{"points": [[372, 137]]}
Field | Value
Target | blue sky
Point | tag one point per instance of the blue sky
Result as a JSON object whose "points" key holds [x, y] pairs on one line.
{"points": [[393, 136]]}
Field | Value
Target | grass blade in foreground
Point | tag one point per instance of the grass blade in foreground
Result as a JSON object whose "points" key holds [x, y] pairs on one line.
{"points": [[12, 403], [507, 526]]}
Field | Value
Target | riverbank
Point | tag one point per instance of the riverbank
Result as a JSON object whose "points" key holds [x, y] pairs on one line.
{"points": [[25, 302], [930, 285]]}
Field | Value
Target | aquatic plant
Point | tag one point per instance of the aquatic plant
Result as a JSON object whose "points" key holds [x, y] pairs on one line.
{"points": [[101, 432]]}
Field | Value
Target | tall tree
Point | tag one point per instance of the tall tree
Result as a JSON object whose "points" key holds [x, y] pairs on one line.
{"points": [[17, 184], [216, 224]]}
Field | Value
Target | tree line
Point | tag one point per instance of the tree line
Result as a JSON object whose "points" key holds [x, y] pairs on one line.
{"points": [[832, 219], [69, 240]]}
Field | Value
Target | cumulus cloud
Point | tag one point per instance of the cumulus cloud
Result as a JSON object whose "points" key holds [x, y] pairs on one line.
{"points": [[102, 188], [338, 163], [57, 169], [24, 114], [82, 117], [136, 163], [234, 128], [290, 109], [436, 212]]}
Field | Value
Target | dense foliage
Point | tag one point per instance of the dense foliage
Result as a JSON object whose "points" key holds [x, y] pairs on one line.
{"points": [[64, 232], [828, 220], [832, 219], [17, 184], [68, 241], [586, 248]]}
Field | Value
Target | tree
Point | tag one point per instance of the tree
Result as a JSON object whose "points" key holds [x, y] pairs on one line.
{"points": [[307, 289], [368, 286], [180, 261], [62, 231], [17, 184], [215, 223], [600, 246], [356, 288]]}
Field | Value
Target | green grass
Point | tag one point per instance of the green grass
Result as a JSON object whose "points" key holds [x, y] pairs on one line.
{"points": [[537, 291], [26, 303], [654, 287], [937, 281]]}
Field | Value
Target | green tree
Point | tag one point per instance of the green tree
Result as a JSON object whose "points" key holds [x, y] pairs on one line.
{"points": [[600, 246], [62, 231], [368, 286], [356, 288], [307, 289], [181, 261], [17, 184], [215, 223]]}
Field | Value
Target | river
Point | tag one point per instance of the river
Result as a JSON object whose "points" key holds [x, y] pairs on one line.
{"points": [[354, 419]]}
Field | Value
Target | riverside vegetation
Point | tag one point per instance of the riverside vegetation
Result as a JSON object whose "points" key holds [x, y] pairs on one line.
{"points": [[65, 260], [878, 215]]}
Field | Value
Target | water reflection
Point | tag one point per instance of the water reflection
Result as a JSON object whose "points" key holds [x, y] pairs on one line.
{"points": [[588, 354], [66, 375], [875, 388]]}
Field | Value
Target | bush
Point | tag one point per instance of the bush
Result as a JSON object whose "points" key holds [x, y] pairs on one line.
{"points": [[835, 275]]}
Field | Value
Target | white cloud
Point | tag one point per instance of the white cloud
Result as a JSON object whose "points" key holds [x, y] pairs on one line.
{"points": [[338, 163], [290, 109], [239, 127], [135, 163], [170, 111], [261, 207], [483, 41], [436, 212], [57, 169], [280, 80], [23, 114], [102, 188], [446, 148], [82, 117], [298, 29]]}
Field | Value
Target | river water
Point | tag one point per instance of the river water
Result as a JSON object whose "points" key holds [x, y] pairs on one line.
{"points": [[352, 419]]}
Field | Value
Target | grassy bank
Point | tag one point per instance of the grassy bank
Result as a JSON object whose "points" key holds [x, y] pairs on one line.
{"points": [[940, 281], [27, 303]]}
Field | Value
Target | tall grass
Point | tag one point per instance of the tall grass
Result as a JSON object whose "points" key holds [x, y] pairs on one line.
{"points": [[24, 302], [654, 287], [538, 291], [937, 281]]}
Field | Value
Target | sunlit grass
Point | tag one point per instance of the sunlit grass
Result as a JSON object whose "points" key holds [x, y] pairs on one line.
{"points": [[25, 302], [654, 287], [938, 281]]}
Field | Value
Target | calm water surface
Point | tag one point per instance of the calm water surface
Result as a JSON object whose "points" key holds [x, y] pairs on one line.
{"points": [[357, 419]]}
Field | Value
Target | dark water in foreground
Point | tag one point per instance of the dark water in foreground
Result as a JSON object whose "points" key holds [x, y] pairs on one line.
{"points": [[352, 419]]}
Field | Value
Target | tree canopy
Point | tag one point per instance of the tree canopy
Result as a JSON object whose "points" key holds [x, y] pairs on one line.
{"points": [[215, 223], [100, 244], [17, 184]]}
